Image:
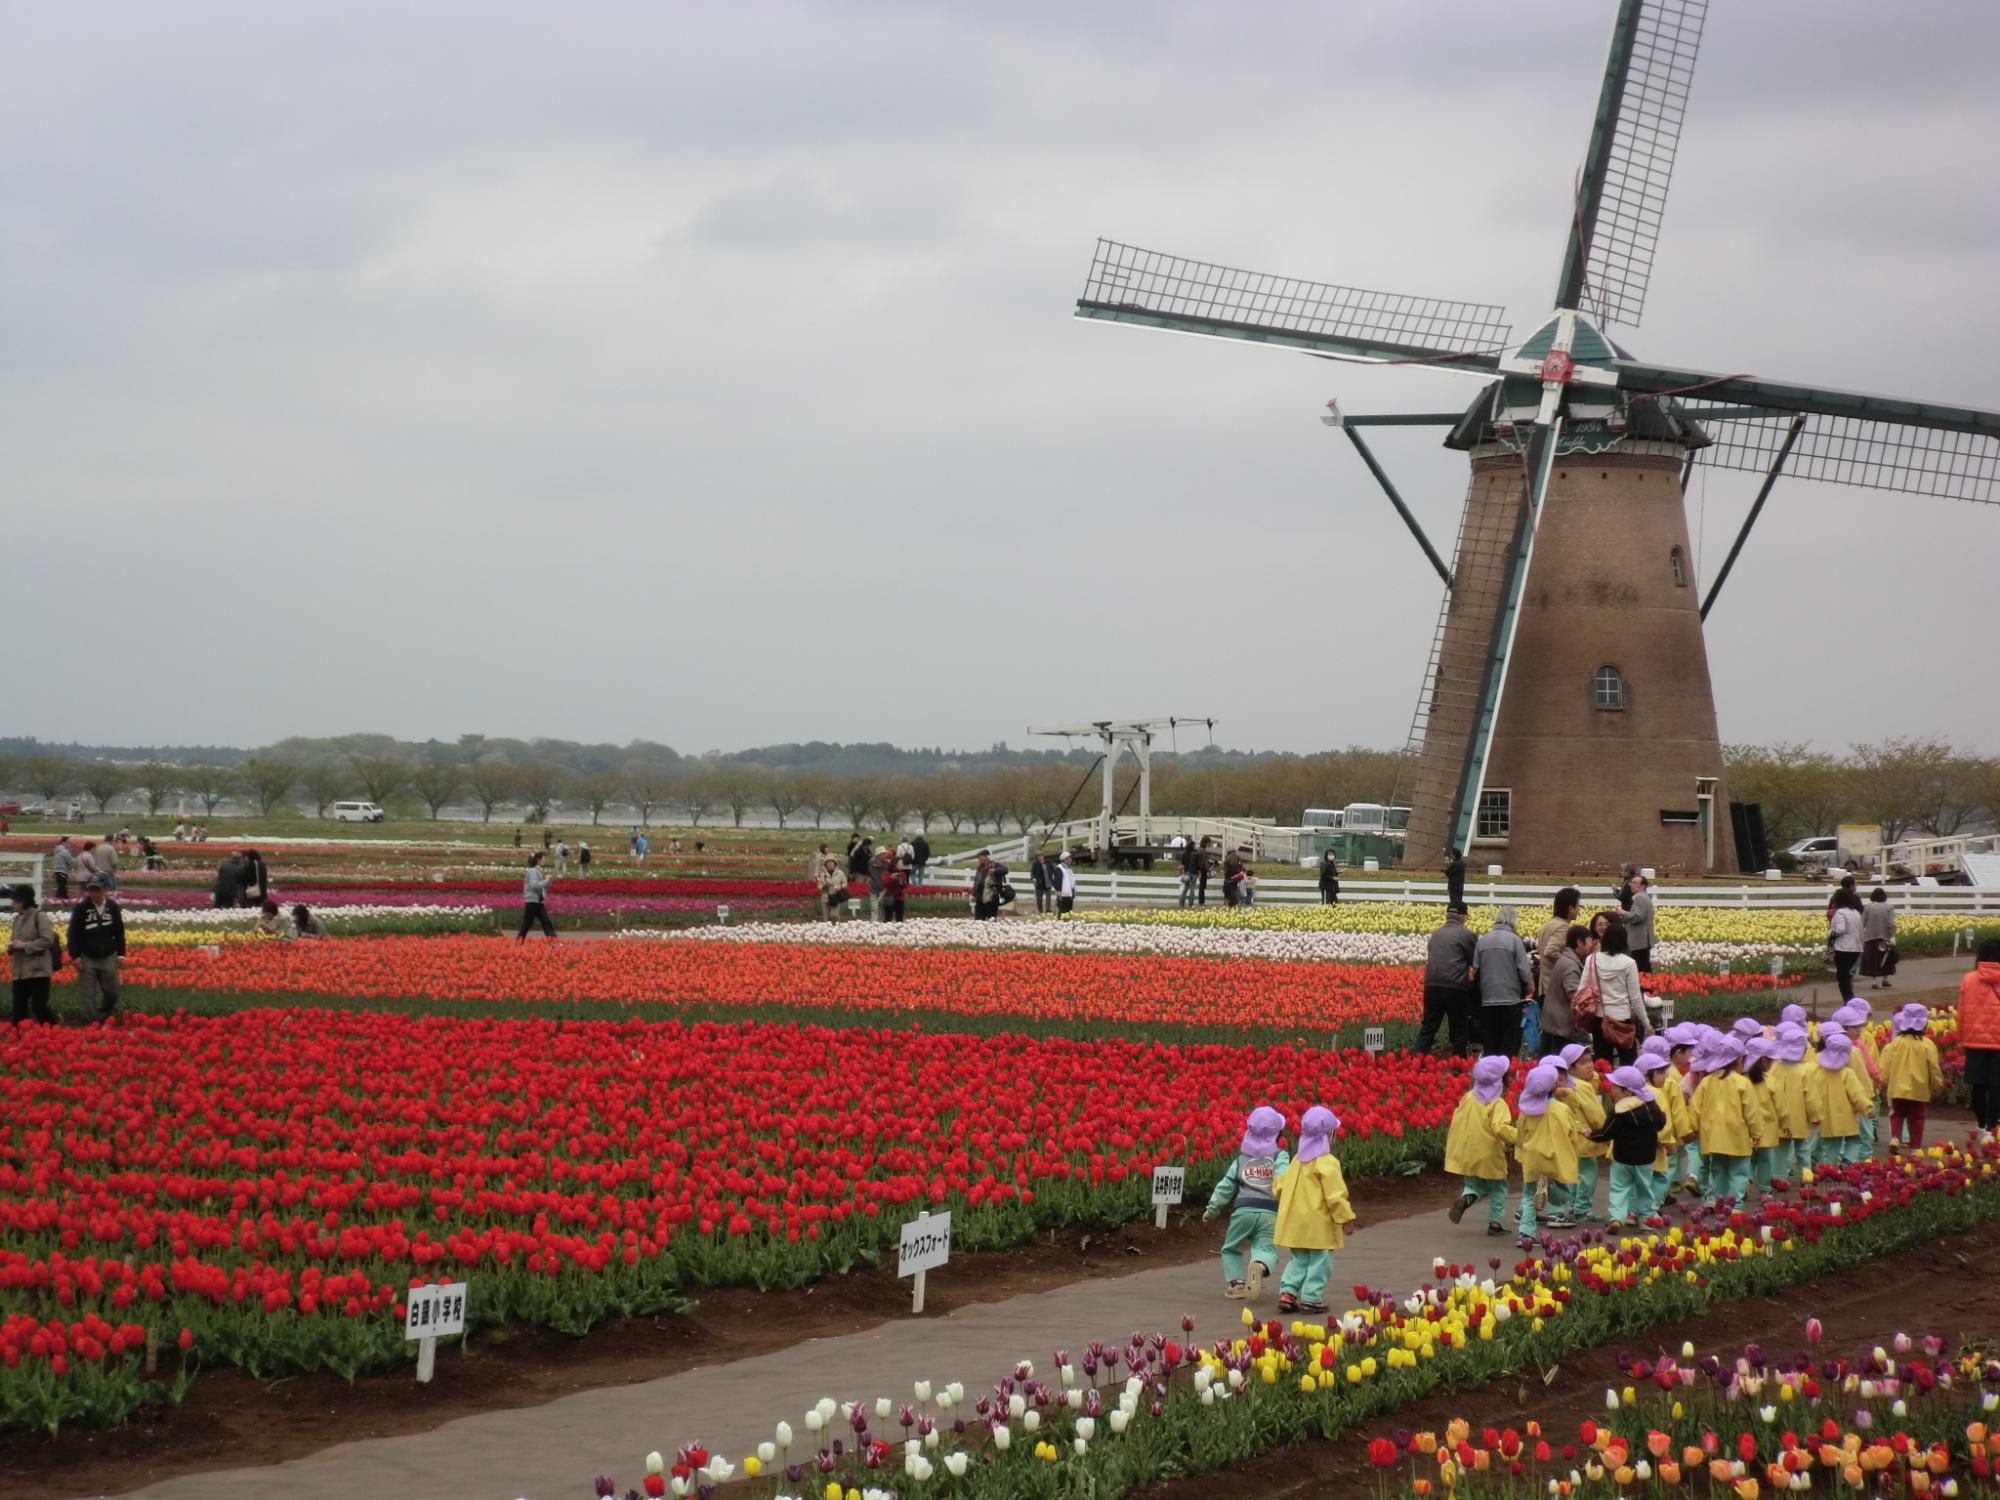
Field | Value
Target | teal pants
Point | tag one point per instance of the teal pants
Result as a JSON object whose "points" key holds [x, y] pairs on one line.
{"points": [[1581, 1201], [1558, 1195], [1494, 1191], [1786, 1159], [1691, 1169], [1306, 1273], [1868, 1135], [1631, 1192], [1663, 1183], [1251, 1228], [1835, 1149], [1724, 1177], [1764, 1164]]}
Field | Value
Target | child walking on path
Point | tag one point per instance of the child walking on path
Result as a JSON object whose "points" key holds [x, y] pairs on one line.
{"points": [[1586, 1108], [1682, 1038], [1722, 1115], [1633, 1133], [1798, 1118], [1475, 1148], [1656, 1064], [1866, 1061], [1250, 1185], [1766, 1132], [1912, 1075], [1312, 1214], [1838, 1098], [1546, 1146]]}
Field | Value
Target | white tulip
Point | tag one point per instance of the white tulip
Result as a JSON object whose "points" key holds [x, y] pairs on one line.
{"points": [[911, 1447], [679, 1488], [826, 1408], [954, 1465], [1236, 1380], [784, 1435], [1002, 1436], [1899, 1408], [931, 1438], [655, 1464], [884, 1408], [1208, 1395], [1016, 1404], [954, 1390], [1067, 1374], [1086, 1428], [1082, 1447], [1610, 1399], [767, 1453], [1031, 1421], [1073, 1398], [718, 1470], [923, 1390]]}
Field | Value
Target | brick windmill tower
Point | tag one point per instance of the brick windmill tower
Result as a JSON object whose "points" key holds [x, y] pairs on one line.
{"points": [[1566, 721]]}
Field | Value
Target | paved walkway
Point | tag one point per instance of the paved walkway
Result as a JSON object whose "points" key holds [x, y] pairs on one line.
{"points": [[551, 1452]]}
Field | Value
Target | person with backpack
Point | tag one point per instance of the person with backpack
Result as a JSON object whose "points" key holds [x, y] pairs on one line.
{"points": [[34, 952], [920, 859]]}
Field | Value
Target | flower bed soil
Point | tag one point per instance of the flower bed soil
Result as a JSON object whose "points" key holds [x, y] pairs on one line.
{"points": [[1860, 1307], [231, 1420]]}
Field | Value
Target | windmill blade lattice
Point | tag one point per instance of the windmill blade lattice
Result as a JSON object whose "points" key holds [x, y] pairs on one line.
{"points": [[1903, 459], [1639, 165], [1130, 284]]}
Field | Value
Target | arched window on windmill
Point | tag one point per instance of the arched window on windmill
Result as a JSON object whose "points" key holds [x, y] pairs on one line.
{"points": [[1678, 562], [1607, 688]]}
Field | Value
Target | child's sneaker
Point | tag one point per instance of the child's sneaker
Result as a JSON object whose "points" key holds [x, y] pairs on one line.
{"points": [[1317, 1309], [1496, 1228], [1253, 1280], [1616, 1226], [1237, 1290], [1559, 1221], [1287, 1303], [1457, 1210]]}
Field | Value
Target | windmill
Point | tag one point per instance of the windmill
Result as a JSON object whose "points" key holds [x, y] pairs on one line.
{"points": [[1566, 716]]}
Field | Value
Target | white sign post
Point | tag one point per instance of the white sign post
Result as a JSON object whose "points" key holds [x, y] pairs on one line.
{"points": [[1168, 1185], [1777, 964], [1374, 1038], [431, 1313], [926, 1244]]}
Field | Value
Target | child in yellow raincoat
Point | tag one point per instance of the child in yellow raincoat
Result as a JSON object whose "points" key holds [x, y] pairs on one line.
{"points": [[1722, 1118], [1475, 1148], [1765, 1131], [1312, 1214], [1664, 1079], [1587, 1108], [1546, 1143], [1798, 1117], [1911, 1074], [1840, 1099]]}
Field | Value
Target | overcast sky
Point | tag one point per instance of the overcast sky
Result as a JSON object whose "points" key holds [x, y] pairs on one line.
{"points": [[706, 372]]}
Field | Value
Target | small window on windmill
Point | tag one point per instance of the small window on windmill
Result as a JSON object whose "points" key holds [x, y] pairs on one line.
{"points": [[1607, 688], [1679, 565], [1496, 814]]}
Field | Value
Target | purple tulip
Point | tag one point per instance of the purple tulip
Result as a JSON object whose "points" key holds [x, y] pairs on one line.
{"points": [[606, 1486]]}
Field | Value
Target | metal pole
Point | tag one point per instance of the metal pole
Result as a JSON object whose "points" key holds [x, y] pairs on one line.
{"points": [[1368, 458], [1756, 508]]}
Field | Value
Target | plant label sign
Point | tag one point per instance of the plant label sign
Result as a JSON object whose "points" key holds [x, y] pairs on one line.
{"points": [[1777, 964], [435, 1312], [926, 1245], [429, 1314], [1169, 1183], [1374, 1038]]}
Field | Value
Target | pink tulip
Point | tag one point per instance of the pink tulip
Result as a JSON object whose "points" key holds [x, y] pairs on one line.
{"points": [[1813, 1331]]}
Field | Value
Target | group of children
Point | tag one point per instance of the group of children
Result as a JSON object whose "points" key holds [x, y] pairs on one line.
{"points": [[1723, 1114]]}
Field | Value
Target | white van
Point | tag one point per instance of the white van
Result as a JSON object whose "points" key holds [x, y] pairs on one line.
{"points": [[356, 812]]}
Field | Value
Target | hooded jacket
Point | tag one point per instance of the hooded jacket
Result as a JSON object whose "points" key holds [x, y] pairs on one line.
{"points": [[1476, 1145], [1312, 1192], [1910, 1067], [1979, 1007]]}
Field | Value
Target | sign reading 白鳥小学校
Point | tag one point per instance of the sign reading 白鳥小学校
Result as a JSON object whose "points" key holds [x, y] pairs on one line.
{"points": [[1169, 1183]]}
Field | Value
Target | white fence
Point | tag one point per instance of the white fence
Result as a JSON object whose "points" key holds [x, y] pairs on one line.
{"points": [[1119, 888]]}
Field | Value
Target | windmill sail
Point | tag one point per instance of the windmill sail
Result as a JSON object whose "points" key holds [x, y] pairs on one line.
{"points": [[1621, 200], [1130, 285]]}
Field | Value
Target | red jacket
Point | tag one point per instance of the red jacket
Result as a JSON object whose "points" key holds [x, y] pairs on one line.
{"points": [[1979, 1007]]}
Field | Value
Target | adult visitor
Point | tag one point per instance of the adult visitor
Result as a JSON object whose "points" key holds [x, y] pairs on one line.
{"points": [[107, 864], [583, 857], [1454, 880], [1627, 873], [1038, 876], [306, 922], [1550, 945], [32, 944], [1506, 980], [1878, 939], [1979, 1035], [1329, 879], [1561, 1026], [1190, 862], [1843, 935], [988, 877], [1621, 1007], [229, 880], [1448, 983], [878, 870], [895, 890], [257, 878], [1065, 886], [1639, 921], [97, 943], [920, 859], [65, 861], [829, 877], [535, 899]]}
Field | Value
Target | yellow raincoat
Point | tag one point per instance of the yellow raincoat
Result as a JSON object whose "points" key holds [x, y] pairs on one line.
{"points": [[1476, 1145], [1722, 1114], [1547, 1145], [1798, 1117], [1312, 1205], [1910, 1068], [1765, 1131], [1587, 1105], [1840, 1099]]}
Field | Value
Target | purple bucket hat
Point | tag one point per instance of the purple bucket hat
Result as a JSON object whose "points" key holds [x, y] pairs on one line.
{"points": [[1570, 1056], [1683, 1034], [1791, 1041], [1795, 1014], [1746, 1028], [1916, 1017], [1489, 1079], [1316, 1132], [1632, 1081], [1834, 1052], [1542, 1082], [1266, 1125], [1759, 1049]]}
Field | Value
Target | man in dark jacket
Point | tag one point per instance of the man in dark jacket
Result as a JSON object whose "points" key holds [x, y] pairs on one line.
{"points": [[97, 943], [230, 878], [1454, 881], [878, 868], [920, 851], [1038, 873], [1449, 975]]}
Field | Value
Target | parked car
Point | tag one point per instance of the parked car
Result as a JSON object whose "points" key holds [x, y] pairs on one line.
{"points": [[1818, 851], [11, 809], [356, 812]]}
